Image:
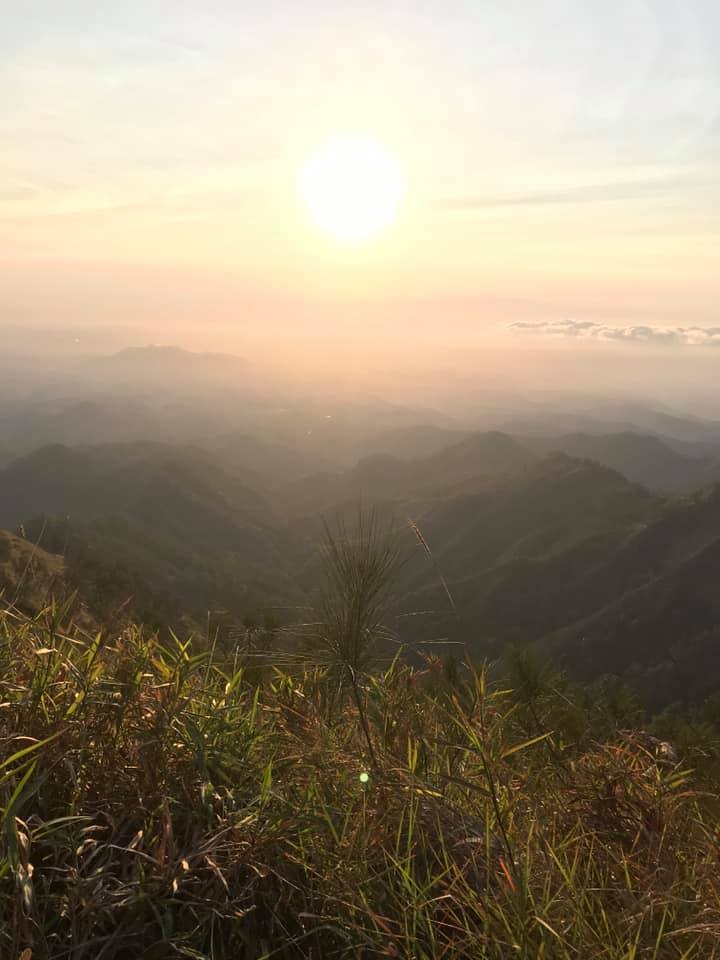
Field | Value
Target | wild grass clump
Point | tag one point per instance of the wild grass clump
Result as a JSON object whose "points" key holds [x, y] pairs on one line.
{"points": [[160, 800]]}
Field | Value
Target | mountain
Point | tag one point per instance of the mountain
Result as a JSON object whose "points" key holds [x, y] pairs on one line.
{"points": [[663, 617], [572, 558], [164, 521], [683, 428], [136, 479], [71, 421], [558, 514], [338, 429], [29, 576], [169, 361], [661, 464], [385, 477], [409, 443], [273, 464], [642, 458], [597, 416], [506, 545]]}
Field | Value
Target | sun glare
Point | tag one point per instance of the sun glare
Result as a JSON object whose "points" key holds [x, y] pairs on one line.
{"points": [[353, 188]]}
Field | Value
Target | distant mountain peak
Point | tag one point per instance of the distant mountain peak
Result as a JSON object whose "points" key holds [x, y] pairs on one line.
{"points": [[154, 353]]}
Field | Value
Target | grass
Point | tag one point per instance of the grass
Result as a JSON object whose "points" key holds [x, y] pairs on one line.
{"points": [[163, 799], [157, 803]]}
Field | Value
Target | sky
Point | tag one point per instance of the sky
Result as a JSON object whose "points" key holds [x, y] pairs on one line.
{"points": [[561, 161]]}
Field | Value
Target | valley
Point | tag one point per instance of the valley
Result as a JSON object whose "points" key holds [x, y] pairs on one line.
{"points": [[579, 545]]}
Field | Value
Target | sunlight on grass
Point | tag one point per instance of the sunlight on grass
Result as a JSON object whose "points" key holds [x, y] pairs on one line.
{"points": [[160, 800]]}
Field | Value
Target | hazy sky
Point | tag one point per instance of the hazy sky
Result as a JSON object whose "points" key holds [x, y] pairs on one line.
{"points": [[562, 161]]}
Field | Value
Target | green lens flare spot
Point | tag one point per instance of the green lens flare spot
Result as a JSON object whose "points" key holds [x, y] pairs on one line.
{"points": [[364, 777]]}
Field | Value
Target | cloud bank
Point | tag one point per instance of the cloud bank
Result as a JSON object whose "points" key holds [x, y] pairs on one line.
{"points": [[588, 329]]}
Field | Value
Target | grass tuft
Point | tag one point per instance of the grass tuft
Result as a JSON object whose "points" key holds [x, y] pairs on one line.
{"points": [[163, 800]]}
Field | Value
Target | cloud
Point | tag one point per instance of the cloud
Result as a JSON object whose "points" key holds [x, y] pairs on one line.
{"points": [[636, 189], [589, 330]]}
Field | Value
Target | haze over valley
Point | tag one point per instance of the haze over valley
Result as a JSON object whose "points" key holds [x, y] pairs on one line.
{"points": [[189, 484]]}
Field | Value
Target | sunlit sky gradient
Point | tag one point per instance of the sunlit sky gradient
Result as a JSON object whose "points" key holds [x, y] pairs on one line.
{"points": [[562, 159]]}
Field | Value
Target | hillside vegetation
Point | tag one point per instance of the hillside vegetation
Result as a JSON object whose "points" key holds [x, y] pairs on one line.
{"points": [[514, 547], [196, 798], [161, 524], [182, 808], [644, 459], [29, 576]]}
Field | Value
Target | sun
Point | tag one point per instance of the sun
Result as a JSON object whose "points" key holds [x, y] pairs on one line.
{"points": [[353, 188]]}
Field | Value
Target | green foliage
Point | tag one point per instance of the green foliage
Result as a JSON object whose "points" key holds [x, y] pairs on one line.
{"points": [[158, 802], [163, 527], [560, 552], [360, 568], [28, 574]]}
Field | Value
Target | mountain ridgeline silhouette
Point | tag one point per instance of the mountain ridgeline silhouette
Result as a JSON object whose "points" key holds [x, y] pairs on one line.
{"points": [[579, 545]]}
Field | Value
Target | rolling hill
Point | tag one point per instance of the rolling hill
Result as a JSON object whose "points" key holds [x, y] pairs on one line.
{"points": [[518, 547], [386, 477], [158, 363], [505, 549], [29, 576], [575, 560], [162, 521], [665, 624], [642, 458], [659, 463]]}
